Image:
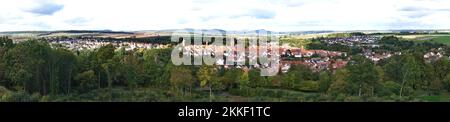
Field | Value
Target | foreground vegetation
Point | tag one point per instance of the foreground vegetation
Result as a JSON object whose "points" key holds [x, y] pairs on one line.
{"points": [[121, 94], [34, 70]]}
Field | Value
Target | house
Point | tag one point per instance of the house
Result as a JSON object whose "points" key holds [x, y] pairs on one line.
{"points": [[307, 53], [296, 52], [432, 56]]}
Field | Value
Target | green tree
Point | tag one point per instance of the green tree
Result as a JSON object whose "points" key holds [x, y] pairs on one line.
{"points": [[447, 81], [324, 82], [244, 80], [111, 68], [182, 78], [87, 80], [412, 72], [131, 70], [339, 81], [390, 88], [6, 42], [156, 66], [206, 75], [393, 69], [231, 77], [380, 73], [62, 65], [5, 45], [275, 80], [256, 80], [436, 72], [363, 75], [103, 64], [296, 75], [27, 66]]}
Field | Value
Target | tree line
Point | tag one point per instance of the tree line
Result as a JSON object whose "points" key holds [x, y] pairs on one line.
{"points": [[35, 66]]}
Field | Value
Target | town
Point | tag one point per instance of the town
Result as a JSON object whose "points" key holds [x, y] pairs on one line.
{"points": [[78, 44], [323, 65], [316, 60]]}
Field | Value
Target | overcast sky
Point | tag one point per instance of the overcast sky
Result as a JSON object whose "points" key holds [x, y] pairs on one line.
{"points": [[281, 15]]}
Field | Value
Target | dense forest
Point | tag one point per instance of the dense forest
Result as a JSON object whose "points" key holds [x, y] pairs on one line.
{"points": [[34, 70]]}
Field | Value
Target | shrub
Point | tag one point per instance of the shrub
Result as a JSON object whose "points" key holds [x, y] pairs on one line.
{"points": [[307, 86], [20, 96], [389, 88]]}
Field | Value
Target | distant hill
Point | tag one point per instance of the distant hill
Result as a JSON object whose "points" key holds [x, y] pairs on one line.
{"points": [[67, 31], [167, 32]]}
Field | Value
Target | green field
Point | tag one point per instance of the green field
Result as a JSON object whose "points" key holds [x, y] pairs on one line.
{"points": [[295, 42], [436, 98], [443, 39]]}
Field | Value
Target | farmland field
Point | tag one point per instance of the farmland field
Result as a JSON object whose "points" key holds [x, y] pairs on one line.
{"points": [[295, 42], [436, 98], [443, 39]]}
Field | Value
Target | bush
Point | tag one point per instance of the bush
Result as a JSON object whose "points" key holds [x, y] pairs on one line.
{"points": [[389, 88], [340, 97], [307, 86], [3, 91], [20, 96], [353, 99], [87, 80]]}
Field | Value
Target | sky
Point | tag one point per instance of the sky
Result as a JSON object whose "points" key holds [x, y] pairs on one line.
{"points": [[274, 15]]}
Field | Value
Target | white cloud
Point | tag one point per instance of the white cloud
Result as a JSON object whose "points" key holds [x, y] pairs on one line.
{"points": [[282, 15], [44, 7]]}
